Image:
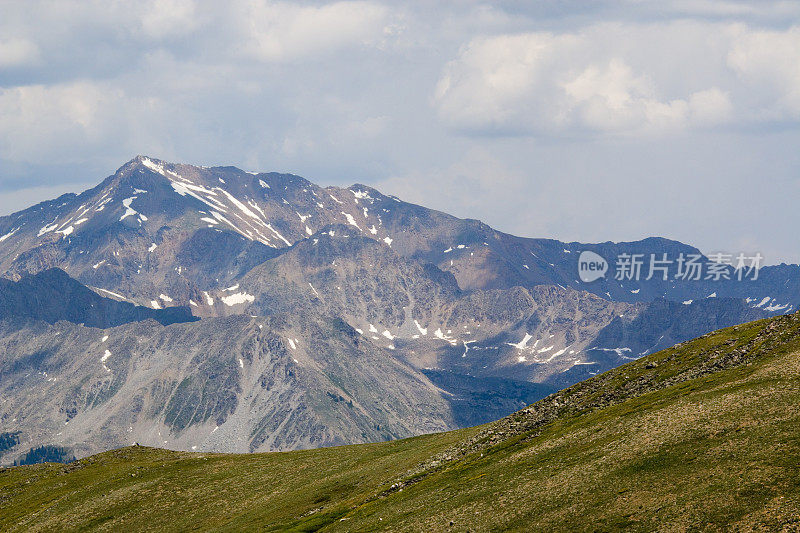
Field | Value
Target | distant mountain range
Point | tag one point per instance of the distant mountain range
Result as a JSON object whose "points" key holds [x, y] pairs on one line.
{"points": [[327, 315]]}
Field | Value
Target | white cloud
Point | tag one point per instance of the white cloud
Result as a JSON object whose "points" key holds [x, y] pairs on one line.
{"points": [[163, 18], [614, 98], [496, 78], [769, 61], [281, 31], [16, 52], [67, 121], [620, 79]]}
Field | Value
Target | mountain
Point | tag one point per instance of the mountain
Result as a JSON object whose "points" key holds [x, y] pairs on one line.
{"points": [[51, 295], [701, 436], [102, 374], [158, 228], [470, 323], [99, 374]]}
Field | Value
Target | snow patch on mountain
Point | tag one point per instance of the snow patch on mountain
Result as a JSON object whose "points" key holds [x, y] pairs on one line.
{"points": [[440, 335], [521, 344], [352, 221], [9, 234], [238, 298]]}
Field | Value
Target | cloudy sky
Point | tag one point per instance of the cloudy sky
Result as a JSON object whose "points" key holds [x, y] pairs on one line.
{"points": [[577, 120]]}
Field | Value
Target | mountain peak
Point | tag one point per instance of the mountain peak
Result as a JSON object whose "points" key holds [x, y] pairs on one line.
{"points": [[145, 228], [142, 160]]}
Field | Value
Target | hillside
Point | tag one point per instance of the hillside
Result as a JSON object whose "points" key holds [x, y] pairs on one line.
{"points": [[701, 436]]}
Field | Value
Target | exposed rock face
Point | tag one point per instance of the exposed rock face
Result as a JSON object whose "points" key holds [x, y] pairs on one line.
{"points": [[225, 384], [329, 315]]}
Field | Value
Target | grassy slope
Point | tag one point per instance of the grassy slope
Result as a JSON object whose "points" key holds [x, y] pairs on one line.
{"points": [[701, 436]]}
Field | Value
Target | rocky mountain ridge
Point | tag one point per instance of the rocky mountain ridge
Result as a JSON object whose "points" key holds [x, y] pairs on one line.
{"points": [[152, 225], [471, 323]]}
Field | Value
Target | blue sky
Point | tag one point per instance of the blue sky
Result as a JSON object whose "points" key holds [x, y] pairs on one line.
{"points": [[587, 121]]}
